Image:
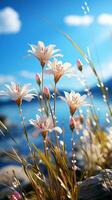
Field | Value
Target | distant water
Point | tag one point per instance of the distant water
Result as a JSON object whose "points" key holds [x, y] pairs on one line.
{"points": [[29, 111]]}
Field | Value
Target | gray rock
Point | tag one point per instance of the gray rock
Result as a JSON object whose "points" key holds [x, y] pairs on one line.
{"points": [[98, 187]]}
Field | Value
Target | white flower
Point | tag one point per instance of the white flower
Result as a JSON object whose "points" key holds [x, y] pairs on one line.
{"points": [[44, 125], [44, 53], [18, 93], [74, 100], [58, 69]]}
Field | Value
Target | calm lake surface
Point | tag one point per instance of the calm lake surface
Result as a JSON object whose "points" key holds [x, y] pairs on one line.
{"points": [[29, 111]]}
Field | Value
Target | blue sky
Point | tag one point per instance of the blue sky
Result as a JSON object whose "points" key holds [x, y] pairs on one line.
{"points": [[28, 21]]}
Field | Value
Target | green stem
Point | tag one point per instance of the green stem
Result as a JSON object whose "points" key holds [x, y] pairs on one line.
{"points": [[57, 144], [55, 99], [45, 146], [73, 158], [74, 192], [24, 127], [51, 115], [42, 83]]}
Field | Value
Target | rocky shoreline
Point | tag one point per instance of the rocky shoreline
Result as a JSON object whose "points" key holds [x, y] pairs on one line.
{"points": [[97, 187]]}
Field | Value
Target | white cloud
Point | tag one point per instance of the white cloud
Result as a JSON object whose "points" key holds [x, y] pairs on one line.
{"points": [[102, 37], [27, 74], [77, 20], [105, 19], [6, 78], [9, 21]]}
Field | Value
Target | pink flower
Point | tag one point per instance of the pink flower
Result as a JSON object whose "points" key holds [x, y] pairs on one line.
{"points": [[44, 125], [58, 69], [18, 93], [44, 53], [74, 101], [46, 92], [38, 79], [15, 196]]}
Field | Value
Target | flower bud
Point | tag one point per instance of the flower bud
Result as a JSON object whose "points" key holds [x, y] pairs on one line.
{"points": [[38, 79], [15, 196], [72, 123], [79, 65], [81, 119], [46, 92]]}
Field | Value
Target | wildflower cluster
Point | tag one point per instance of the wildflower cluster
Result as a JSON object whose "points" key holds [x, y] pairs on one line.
{"points": [[60, 182]]}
